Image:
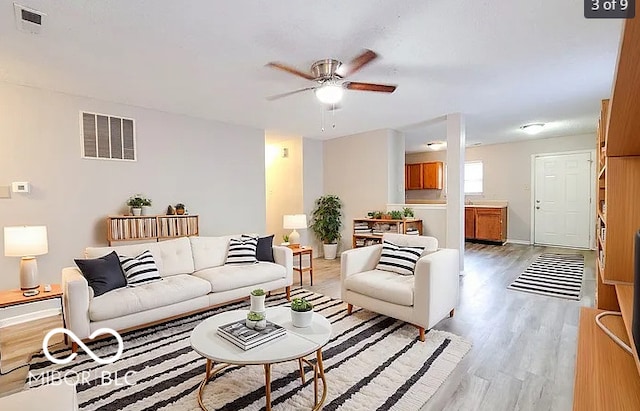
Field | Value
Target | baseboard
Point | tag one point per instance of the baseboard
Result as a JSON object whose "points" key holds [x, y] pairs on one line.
{"points": [[523, 242]]}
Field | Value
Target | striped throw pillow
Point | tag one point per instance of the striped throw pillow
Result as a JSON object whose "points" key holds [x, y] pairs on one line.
{"points": [[399, 259], [140, 270], [242, 251]]}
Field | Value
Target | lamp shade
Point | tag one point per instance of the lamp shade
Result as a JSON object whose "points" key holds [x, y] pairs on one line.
{"points": [[329, 93], [25, 241], [295, 221]]}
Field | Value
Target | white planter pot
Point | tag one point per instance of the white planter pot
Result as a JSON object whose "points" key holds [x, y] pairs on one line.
{"points": [[257, 303], [261, 325], [250, 323], [136, 211], [330, 251], [146, 210], [301, 319]]}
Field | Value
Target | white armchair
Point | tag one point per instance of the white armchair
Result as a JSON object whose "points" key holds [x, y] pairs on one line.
{"points": [[422, 299]]}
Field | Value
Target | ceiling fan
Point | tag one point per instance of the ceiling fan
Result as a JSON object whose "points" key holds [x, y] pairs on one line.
{"points": [[328, 73]]}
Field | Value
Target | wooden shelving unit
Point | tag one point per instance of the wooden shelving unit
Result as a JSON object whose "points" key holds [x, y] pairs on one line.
{"points": [[390, 226], [144, 228], [607, 377]]}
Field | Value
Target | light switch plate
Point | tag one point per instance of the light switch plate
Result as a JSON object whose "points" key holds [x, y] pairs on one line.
{"points": [[5, 192]]}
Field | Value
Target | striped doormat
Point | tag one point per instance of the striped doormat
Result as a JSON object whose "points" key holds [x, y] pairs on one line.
{"points": [[555, 275], [371, 362]]}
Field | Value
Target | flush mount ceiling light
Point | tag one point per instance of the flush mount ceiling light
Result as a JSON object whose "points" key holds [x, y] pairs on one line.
{"points": [[533, 128], [437, 145], [329, 93]]}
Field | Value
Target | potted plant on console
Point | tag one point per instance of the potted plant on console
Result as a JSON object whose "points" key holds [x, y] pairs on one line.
{"points": [[326, 223], [301, 312], [136, 202]]}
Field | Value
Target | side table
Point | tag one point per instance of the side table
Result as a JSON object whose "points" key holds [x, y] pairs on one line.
{"points": [[22, 332], [299, 252]]}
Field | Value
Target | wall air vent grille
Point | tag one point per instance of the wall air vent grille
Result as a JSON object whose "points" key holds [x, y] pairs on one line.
{"points": [[27, 19], [107, 137]]}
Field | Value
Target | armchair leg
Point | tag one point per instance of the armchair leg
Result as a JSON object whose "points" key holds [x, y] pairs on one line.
{"points": [[452, 312], [74, 347], [349, 308], [421, 329], [288, 291]]}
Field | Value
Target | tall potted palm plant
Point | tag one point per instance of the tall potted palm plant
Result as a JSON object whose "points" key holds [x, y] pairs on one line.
{"points": [[326, 223]]}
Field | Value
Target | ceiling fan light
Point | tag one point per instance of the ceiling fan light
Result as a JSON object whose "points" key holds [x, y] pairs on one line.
{"points": [[329, 93]]}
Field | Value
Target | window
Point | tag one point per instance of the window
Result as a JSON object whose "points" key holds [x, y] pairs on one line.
{"points": [[473, 177], [107, 137]]}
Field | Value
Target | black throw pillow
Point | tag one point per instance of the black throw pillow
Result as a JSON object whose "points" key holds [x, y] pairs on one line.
{"points": [[264, 251], [103, 274]]}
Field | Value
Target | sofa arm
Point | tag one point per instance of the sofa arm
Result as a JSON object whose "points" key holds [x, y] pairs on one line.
{"points": [[359, 259], [75, 302], [284, 256], [437, 282]]}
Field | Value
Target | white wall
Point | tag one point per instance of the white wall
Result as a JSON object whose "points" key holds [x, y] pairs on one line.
{"points": [[312, 166], [507, 174], [356, 169], [284, 183], [216, 169]]}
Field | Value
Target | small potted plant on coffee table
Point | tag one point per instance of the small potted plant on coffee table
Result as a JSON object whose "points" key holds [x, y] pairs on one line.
{"points": [[257, 300], [255, 320], [301, 312]]}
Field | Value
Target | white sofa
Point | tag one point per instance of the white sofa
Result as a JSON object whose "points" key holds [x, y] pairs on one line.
{"points": [[194, 278], [422, 299]]}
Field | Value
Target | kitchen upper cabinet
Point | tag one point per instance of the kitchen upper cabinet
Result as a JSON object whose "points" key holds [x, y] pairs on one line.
{"points": [[413, 176], [432, 175], [423, 176]]}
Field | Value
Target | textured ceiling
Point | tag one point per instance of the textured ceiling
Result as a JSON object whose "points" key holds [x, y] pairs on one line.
{"points": [[502, 63]]}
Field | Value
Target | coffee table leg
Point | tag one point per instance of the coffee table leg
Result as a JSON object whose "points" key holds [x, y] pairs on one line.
{"points": [[267, 385], [301, 370], [208, 369], [320, 373]]}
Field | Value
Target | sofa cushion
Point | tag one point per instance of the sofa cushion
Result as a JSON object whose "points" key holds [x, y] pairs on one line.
{"points": [[398, 259], [209, 251], [171, 256], [230, 277], [140, 269], [103, 273], [131, 300], [242, 251], [383, 285]]}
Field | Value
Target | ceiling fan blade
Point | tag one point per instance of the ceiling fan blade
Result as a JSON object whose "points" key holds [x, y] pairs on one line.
{"points": [[381, 88], [290, 70], [356, 64], [277, 96]]}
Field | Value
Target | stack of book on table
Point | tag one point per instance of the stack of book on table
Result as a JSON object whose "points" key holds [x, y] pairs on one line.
{"points": [[246, 338]]}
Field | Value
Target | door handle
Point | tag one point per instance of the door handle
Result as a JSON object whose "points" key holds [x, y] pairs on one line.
{"points": [[537, 201], [537, 208]]}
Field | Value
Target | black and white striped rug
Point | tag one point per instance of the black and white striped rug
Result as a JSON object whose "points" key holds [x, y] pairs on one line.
{"points": [[371, 362], [556, 275]]}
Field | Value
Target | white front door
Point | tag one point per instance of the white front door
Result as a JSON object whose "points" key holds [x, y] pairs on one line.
{"points": [[562, 200]]}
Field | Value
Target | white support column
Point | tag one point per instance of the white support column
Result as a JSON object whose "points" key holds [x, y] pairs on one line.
{"points": [[455, 183]]}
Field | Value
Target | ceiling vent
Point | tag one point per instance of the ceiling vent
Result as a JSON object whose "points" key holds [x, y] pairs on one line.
{"points": [[27, 19]]}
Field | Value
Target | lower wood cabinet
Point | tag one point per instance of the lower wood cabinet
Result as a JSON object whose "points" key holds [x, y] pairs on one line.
{"points": [[485, 223]]}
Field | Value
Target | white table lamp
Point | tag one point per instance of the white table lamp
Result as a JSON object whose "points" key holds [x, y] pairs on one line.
{"points": [[26, 242], [295, 221]]}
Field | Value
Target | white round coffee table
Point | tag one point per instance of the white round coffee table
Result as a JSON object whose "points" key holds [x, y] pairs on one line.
{"points": [[295, 345]]}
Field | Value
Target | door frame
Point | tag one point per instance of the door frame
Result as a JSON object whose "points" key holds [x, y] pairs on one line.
{"points": [[592, 193]]}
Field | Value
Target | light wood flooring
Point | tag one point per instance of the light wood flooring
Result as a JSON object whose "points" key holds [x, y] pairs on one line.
{"points": [[524, 345]]}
